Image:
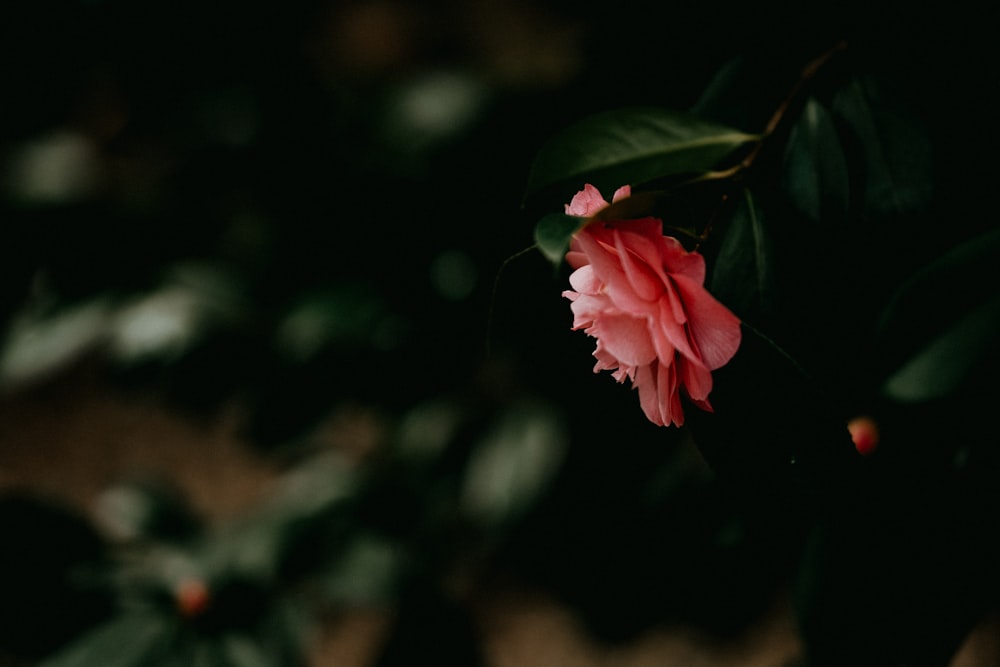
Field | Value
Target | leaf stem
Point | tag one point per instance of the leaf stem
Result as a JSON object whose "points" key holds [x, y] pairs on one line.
{"points": [[808, 73], [493, 294]]}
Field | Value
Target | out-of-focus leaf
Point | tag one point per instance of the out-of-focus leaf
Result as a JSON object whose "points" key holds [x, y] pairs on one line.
{"points": [[348, 315], [145, 509], [61, 168], [195, 298], [38, 346], [942, 322], [632, 146], [133, 639], [257, 546], [940, 368], [513, 464], [895, 148], [730, 75], [365, 573], [426, 430], [553, 234], [743, 278], [242, 651], [815, 167]]}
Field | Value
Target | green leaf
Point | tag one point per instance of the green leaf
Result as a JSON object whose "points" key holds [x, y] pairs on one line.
{"points": [[553, 234], [941, 367], [632, 146], [512, 465], [895, 148], [942, 322], [815, 169], [131, 640], [742, 277]]}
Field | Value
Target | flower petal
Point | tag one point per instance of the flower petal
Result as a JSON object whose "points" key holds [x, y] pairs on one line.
{"points": [[585, 281], [669, 335], [658, 395], [697, 379], [679, 261], [641, 277], [586, 202], [623, 192], [608, 269], [626, 338], [714, 330]]}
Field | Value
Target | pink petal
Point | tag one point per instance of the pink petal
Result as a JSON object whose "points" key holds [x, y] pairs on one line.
{"points": [[586, 202], [658, 394], [669, 335], [670, 397], [649, 398], [606, 362], [623, 192], [626, 338], [677, 260], [585, 281], [643, 280], [598, 244], [697, 379], [588, 309], [713, 329]]}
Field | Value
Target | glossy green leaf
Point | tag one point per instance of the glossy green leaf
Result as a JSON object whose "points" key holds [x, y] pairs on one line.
{"points": [[743, 277], [632, 146], [553, 234], [133, 639], [895, 148], [815, 169]]}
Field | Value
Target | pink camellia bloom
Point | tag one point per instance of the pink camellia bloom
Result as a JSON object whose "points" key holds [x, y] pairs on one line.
{"points": [[641, 295]]}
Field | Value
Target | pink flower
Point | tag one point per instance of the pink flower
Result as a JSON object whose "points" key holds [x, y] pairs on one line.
{"points": [[641, 295]]}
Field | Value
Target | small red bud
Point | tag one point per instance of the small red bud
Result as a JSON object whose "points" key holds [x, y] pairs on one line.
{"points": [[864, 433], [192, 597]]}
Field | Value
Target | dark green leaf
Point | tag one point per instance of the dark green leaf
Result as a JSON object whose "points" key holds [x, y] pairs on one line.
{"points": [[943, 322], [632, 146], [895, 149], [743, 278], [635, 206], [941, 367], [553, 234], [133, 639], [815, 167], [727, 77]]}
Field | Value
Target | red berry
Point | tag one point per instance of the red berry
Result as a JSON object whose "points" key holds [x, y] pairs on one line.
{"points": [[192, 597], [864, 433]]}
